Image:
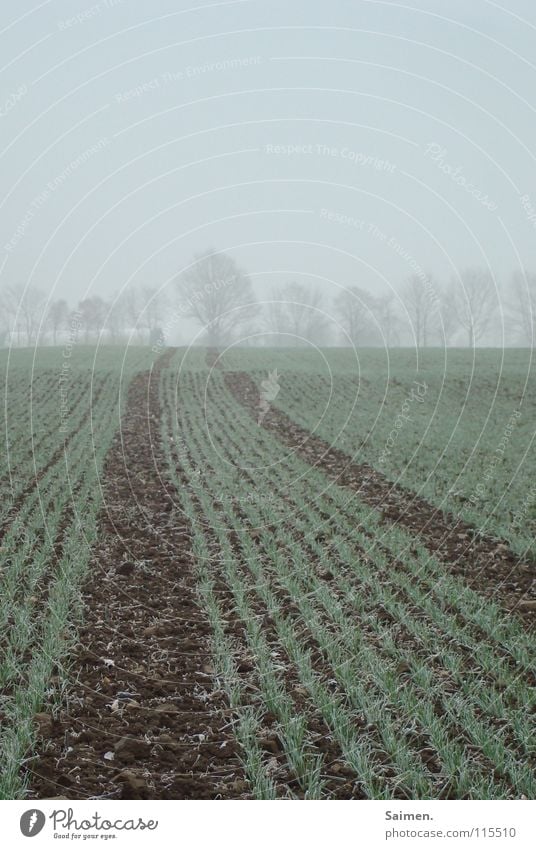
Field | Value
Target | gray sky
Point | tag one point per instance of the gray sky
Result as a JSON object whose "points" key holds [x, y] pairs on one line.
{"points": [[134, 134]]}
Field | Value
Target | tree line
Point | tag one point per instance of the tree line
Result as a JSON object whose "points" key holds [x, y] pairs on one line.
{"points": [[466, 310], [216, 296], [29, 317]]}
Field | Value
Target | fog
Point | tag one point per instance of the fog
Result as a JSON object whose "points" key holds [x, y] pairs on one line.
{"points": [[367, 166]]}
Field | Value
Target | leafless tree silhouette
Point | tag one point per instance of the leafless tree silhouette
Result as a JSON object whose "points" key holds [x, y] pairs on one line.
{"points": [[473, 302], [421, 303], [296, 314], [57, 317], [522, 308], [218, 295], [354, 308]]}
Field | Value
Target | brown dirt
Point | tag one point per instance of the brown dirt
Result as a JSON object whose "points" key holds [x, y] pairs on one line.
{"points": [[142, 717], [487, 565]]}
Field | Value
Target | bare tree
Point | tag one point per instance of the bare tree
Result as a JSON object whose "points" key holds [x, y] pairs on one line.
{"points": [[23, 307], [57, 317], [153, 305], [10, 302], [92, 315], [273, 320], [129, 307], [473, 302], [354, 308], [140, 308], [218, 295], [388, 319], [420, 301], [296, 314], [522, 309], [447, 320], [116, 318]]}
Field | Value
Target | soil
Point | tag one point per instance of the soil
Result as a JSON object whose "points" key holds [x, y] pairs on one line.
{"points": [[142, 716], [487, 565]]}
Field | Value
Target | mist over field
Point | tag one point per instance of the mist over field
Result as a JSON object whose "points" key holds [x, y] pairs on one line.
{"points": [[369, 148], [267, 322]]}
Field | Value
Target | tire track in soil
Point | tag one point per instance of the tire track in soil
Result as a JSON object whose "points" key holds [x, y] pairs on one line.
{"points": [[488, 566], [314, 556], [142, 688]]}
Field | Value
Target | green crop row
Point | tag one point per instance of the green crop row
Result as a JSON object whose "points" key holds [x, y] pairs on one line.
{"points": [[464, 697], [48, 535], [455, 427]]}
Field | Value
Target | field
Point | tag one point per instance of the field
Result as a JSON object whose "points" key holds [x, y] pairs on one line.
{"points": [[469, 447], [216, 584], [59, 422]]}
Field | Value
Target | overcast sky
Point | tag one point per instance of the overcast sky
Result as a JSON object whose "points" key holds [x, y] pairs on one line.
{"points": [[346, 141]]}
